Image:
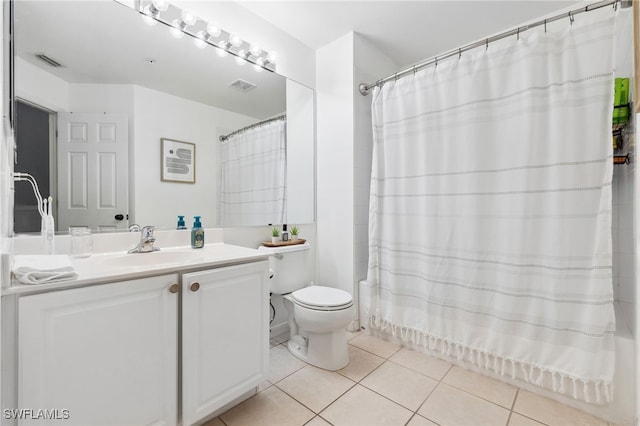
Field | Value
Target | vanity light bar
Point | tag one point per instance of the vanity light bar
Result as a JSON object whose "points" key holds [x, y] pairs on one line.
{"points": [[183, 22]]}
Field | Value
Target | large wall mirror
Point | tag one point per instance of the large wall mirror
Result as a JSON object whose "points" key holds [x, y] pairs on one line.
{"points": [[120, 122]]}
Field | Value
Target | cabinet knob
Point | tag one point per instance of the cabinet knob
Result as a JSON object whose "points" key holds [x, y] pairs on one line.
{"points": [[174, 288], [195, 287]]}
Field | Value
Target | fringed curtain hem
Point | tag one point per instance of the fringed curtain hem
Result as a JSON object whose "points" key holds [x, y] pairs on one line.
{"points": [[590, 391]]}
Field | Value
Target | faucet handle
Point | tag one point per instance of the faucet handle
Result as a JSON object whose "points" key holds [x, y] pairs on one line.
{"points": [[134, 228], [147, 231]]}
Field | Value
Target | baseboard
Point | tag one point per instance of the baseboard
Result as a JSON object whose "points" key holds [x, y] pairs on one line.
{"points": [[278, 329]]}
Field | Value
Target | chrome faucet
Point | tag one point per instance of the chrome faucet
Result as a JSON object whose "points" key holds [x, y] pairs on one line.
{"points": [[146, 241]]}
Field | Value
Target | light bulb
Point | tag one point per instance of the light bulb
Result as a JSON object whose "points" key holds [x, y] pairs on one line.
{"points": [[257, 68], [188, 18], [175, 29], [235, 40], [213, 30], [240, 61], [160, 5], [255, 49], [221, 52], [199, 41], [272, 56]]}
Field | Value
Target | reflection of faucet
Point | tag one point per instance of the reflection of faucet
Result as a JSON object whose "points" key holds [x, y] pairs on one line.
{"points": [[146, 241]]}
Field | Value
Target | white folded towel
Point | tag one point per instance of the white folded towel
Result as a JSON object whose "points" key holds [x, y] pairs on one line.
{"points": [[40, 269]]}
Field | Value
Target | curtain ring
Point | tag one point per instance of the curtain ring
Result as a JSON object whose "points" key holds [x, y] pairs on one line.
{"points": [[395, 77], [414, 70], [571, 18], [518, 34], [459, 53], [486, 45], [615, 5], [436, 62], [545, 26]]}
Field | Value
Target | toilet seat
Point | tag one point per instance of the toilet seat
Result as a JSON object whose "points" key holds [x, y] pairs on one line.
{"points": [[321, 298]]}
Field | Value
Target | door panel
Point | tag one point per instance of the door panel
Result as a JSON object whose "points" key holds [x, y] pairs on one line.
{"points": [[93, 170]]}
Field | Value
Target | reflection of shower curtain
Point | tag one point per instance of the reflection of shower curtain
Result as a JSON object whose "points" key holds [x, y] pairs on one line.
{"points": [[490, 213], [253, 176]]}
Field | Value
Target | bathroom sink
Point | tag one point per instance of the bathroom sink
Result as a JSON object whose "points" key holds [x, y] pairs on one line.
{"points": [[156, 258]]}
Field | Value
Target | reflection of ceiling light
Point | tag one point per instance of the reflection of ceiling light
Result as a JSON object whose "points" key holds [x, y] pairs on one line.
{"points": [[242, 57], [222, 49], [176, 31], [272, 56], [200, 40], [147, 17]]}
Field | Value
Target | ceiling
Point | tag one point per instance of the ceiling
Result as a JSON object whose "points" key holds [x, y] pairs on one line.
{"points": [[105, 42], [405, 31], [85, 40]]}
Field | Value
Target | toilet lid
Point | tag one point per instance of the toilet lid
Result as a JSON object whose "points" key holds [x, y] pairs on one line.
{"points": [[317, 296]]}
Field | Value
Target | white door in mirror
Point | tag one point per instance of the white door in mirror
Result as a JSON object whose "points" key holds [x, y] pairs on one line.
{"points": [[93, 170]]}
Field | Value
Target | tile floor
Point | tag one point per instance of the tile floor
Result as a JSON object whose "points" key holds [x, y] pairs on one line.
{"points": [[385, 384]]}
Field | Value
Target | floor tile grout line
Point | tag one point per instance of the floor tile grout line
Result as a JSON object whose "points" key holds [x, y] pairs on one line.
{"points": [[513, 404], [309, 408], [373, 353], [334, 401], [423, 402], [420, 372], [478, 396]]}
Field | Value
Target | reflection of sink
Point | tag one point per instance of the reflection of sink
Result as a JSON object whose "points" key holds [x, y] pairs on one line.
{"points": [[156, 258]]}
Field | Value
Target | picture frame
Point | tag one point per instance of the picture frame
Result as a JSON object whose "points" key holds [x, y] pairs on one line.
{"points": [[177, 161]]}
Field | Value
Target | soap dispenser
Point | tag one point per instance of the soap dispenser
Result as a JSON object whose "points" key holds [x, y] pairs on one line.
{"points": [[197, 234], [181, 224]]}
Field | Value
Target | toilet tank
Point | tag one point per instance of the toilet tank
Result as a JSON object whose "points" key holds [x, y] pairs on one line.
{"points": [[290, 266]]}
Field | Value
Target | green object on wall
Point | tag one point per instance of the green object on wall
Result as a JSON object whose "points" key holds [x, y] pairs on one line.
{"points": [[621, 101]]}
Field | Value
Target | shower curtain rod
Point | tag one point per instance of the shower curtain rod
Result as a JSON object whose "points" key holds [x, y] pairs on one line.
{"points": [[251, 126], [366, 88]]}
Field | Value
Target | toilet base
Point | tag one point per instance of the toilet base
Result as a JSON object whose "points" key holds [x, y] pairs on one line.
{"points": [[327, 350]]}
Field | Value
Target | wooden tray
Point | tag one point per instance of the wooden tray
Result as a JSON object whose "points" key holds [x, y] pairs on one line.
{"points": [[284, 243]]}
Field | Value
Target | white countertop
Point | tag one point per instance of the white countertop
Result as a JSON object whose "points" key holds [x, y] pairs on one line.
{"points": [[120, 266]]}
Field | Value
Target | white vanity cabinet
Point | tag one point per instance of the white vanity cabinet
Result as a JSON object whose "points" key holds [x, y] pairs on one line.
{"points": [[127, 353], [106, 353], [225, 336]]}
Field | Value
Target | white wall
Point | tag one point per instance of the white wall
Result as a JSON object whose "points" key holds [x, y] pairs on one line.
{"points": [[334, 159], [300, 154], [41, 87], [158, 115], [370, 65], [344, 149]]}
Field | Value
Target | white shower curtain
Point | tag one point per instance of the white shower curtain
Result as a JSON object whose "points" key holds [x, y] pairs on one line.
{"points": [[490, 211], [253, 176]]}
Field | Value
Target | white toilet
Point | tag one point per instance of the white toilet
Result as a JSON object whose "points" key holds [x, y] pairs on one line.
{"points": [[318, 315]]}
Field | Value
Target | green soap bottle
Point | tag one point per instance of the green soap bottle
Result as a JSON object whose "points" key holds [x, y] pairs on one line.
{"points": [[197, 234]]}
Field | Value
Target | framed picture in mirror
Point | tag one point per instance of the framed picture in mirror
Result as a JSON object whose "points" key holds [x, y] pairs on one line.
{"points": [[178, 161]]}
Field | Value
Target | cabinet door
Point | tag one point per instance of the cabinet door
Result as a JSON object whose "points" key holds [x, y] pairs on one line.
{"points": [[106, 353], [225, 336]]}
